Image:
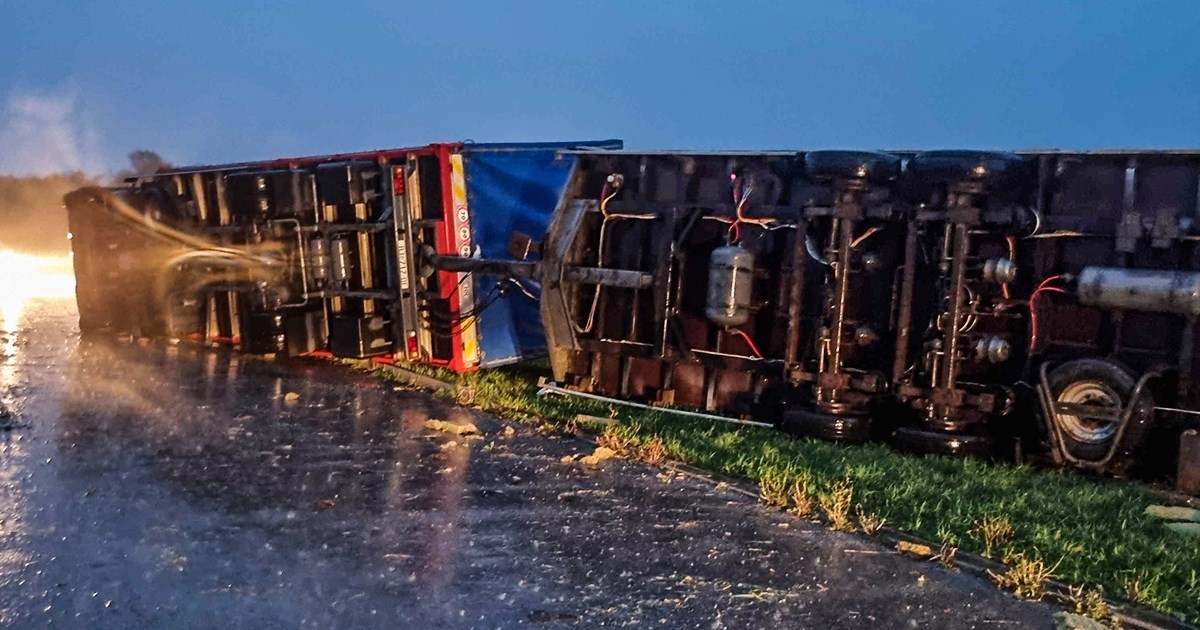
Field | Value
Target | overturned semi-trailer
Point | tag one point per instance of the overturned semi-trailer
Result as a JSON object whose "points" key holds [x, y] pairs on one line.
{"points": [[951, 301]]}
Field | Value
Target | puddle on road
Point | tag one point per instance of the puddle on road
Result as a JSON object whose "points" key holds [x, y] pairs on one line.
{"points": [[179, 486]]}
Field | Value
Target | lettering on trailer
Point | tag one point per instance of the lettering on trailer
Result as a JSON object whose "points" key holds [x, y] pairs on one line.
{"points": [[402, 256], [462, 243], [401, 243]]}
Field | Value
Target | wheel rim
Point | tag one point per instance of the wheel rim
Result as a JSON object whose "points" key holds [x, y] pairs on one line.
{"points": [[1088, 430]]}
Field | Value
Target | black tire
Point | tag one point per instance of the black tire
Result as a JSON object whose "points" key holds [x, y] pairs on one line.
{"points": [[824, 426], [952, 166], [944, 443], [1098, 382], [872, 166]]}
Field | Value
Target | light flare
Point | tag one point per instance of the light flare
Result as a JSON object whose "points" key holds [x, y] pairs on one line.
{"points": [[26, 276]]}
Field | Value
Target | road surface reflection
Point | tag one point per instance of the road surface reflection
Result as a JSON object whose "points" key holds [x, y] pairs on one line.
{"points": [[181, 487]]}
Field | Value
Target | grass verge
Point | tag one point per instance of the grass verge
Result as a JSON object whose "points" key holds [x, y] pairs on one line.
{"points": [[1091, 533]]}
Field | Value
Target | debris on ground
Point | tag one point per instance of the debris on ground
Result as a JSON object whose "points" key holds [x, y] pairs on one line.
{"points": [[509, 432], [600, 454], [1173, 513], [586, 419], [916, 549], [325, 504], [453, 428], [291, 397]]}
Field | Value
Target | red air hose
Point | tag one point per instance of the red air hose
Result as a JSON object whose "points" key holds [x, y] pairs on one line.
{"points": [[1043, 287], [748, 340]]}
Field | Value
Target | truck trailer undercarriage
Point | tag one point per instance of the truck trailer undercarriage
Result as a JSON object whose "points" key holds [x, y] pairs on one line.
{"points": [[985, 303]]}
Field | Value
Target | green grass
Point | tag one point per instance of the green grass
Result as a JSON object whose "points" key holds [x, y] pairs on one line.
{"points": [[1092, 531]]}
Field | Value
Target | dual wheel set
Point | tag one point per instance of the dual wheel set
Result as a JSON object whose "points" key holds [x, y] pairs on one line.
{"points": [[964, 378], [1093, 414]]}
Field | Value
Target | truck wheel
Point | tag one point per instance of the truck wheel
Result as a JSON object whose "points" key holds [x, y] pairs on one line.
{"points": [[825, 426], [984, 166], [1104, 384], [869, 165]]}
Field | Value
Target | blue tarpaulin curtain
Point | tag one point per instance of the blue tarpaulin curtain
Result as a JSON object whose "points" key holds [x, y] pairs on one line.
{"points": [[513, 188]]}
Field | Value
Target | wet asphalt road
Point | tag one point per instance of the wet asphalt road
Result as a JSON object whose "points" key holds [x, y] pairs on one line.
{"points": [[176, 487]]}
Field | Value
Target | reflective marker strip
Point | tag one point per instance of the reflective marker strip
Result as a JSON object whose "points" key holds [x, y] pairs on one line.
{"points": [[462, 244], [402, 241]]}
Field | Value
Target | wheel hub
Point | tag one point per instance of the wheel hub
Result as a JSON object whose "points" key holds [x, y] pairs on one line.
{"points": [[1081, 428]]}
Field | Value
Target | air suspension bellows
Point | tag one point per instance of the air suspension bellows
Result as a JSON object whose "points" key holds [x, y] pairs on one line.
{"points": [[842, 375]]}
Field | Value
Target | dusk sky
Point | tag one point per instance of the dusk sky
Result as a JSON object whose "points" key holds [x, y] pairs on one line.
{"points": [[81, 84]]}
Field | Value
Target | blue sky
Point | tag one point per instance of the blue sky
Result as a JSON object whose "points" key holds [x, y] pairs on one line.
{"points": [[228, 80]]}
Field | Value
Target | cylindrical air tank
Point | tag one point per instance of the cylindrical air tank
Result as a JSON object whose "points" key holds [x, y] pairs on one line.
{"points": [[730, 278], [1149, 290]]}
